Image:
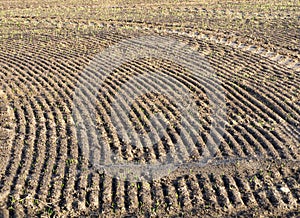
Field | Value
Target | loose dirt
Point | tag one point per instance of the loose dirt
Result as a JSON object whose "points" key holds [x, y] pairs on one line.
{"points": [[253, 48]]}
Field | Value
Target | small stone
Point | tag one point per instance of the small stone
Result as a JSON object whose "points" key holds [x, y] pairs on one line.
{"points": [[285, 189]]}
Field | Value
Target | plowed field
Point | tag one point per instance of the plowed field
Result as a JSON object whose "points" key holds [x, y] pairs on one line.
{"points": [[59, 156]]}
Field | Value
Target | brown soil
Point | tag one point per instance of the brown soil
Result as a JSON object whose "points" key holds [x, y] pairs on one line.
{"points": [[254, 50]]}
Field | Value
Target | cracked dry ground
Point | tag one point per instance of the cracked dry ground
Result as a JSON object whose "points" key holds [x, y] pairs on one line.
{"points": [[253, 47]]}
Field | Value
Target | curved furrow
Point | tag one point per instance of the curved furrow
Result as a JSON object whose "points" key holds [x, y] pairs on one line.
{"points": [[48, 135], [143, 66], [19, 157], [168, 27], [56, 170], [160, 105], [256, 72], [189, 85], [270, 86], [15, 153], [211, 36], [27, 146], [247, 139], [7, 123], [245, 94], [39, 151], [275, 139], [41, 51], [137, 114], [135, 118], [71, 158], [161, 86], [80, 130], [45, 184], [165, 81], [271, 148], [232, 147], [242, 54], [89, 88], [257, 122], [65, 118]]}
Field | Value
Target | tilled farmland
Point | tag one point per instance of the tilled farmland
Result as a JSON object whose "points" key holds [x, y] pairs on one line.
{"points": [[63, 134]]}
